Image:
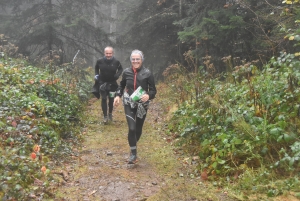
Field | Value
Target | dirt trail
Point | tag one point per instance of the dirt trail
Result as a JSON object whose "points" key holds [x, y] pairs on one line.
{"points": [[101, 172]]}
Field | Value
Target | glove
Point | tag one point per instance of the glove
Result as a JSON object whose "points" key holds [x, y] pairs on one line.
{"points": [[116, 77], [96, 77]]}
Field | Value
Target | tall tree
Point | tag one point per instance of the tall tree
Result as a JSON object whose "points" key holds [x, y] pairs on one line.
{"points": [[151, 30], [40, 27], [248, 29]]}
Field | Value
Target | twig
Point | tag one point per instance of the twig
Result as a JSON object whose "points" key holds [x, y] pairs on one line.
{"points": [[75, 56]]}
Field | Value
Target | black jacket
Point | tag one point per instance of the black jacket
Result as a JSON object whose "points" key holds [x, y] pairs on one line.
{"points": [[108, 70], [144, 78]]}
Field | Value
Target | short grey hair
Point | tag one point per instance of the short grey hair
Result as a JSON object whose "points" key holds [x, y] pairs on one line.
{"points": [[109, 47], [137, 52]]}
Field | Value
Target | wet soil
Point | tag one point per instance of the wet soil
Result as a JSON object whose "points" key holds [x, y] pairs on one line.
{"points": [[100, 170]]}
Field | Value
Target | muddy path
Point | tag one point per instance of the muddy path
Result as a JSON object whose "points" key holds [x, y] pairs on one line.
{"points": [[100, 170]]}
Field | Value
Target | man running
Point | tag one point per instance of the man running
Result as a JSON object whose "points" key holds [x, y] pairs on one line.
{"points": [[107, 70]]}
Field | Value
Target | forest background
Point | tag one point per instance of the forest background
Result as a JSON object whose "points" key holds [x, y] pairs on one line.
{"points": [[231, 68]]}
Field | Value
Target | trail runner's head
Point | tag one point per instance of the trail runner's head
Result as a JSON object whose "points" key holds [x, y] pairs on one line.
{"points": [[109, 52], [136, 58]]}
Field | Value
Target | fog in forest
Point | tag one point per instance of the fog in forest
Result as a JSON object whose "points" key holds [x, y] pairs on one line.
{"points": [[104, 25], [196, 34]]}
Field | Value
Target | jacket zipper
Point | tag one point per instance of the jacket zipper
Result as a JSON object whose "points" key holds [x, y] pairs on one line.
{"points": [[134, 80]]}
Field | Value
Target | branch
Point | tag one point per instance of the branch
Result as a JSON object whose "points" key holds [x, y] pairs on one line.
{"points": [[75, 56]]}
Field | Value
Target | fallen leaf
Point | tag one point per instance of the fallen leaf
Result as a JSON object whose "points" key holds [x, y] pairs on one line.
{"points": [[204, 175], [14, 124], [291, 37], [33, 155], [43, 169], [195, 158], [93, 192], [36, 148]]}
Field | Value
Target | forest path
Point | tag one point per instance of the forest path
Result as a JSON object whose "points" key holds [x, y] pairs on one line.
{"points": [[101, 172]]}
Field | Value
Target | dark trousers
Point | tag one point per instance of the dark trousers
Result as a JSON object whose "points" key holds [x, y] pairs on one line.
{"points": [[108, 87], [135, 125], [104, 105]]}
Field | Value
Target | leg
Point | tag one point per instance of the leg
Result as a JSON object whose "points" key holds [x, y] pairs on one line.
{"points": [[110, 107], [104, 102], [139, 127], [104, 106], [130, 117]]}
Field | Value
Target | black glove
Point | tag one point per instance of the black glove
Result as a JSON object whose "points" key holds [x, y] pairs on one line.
{"points": [[116, 76]]}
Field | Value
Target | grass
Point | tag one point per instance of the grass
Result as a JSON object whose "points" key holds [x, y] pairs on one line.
{"points": [[159, 168]]}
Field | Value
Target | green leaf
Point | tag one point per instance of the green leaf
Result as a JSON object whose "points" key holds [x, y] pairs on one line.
{"points": [[275, 131], [18, 187], [221, 161], [214, 165], [291, 162]]}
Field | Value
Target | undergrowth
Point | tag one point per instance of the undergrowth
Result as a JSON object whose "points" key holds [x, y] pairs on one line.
{"points": [[243, 124], [40, 119]]}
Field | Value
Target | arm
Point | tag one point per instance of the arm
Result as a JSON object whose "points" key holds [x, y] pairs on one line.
{"points": [[120, 91], [96, 69], [119, 71], [152, 88]]}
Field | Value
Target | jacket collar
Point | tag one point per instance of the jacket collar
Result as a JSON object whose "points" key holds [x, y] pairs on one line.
{"points": [[108, 60], [139, 69]]}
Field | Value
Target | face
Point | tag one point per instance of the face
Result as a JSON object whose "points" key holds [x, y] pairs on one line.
{"points": [[108, 53], [136, 61]]}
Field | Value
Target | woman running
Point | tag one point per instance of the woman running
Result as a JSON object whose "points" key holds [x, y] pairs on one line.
{"points": [[139, 79]]}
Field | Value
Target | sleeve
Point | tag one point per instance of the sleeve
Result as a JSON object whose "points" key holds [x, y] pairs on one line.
{"points": [[97, 68], [120, 89], [119, 71], [151, 87]]}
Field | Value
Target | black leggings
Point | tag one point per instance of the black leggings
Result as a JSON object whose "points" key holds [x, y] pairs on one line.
{"points": [[104, 105], [135, 125]]}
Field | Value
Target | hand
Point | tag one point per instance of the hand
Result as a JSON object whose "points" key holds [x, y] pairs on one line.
{"points": [[96, 77], [145, 97], [117, 101]]}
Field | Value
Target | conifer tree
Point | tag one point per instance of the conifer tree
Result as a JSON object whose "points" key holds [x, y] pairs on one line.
{"points": [[40, 27], [151, 30]]}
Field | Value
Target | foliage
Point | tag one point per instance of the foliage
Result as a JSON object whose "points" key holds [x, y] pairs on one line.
{"points": [[243, 123], [243, 120], [40, 115], [247, 29], [151, 29], [38, 28]]}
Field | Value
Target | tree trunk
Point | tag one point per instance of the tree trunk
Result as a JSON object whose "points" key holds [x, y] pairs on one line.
{"points": [[50, 28], [113, 15], [95, 44], [180, 8], [180, 54]]}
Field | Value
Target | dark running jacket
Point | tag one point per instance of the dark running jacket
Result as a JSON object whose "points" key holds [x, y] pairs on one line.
{"points": [[132, 81], [109, 71]]}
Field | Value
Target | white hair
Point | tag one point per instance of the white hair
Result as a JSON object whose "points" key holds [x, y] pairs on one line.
{"points": [[137, 52], [109, 47]]}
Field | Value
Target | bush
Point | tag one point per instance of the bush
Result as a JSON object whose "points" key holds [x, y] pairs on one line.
{"points": [[245, 120], [40, 117]]}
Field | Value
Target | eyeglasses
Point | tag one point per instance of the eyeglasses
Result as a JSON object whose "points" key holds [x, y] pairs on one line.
{"points": [[135, 59]]}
